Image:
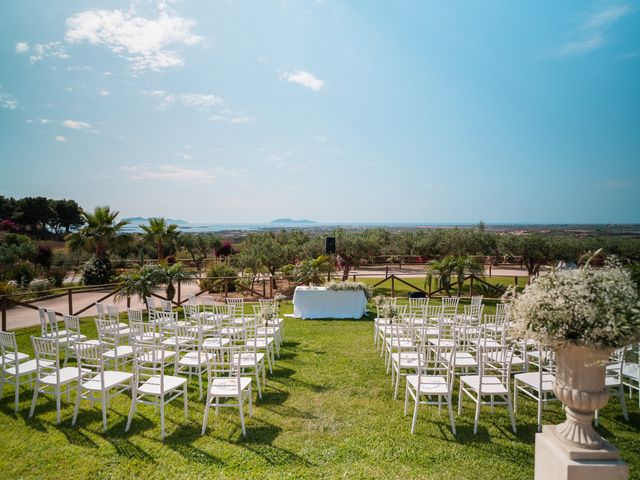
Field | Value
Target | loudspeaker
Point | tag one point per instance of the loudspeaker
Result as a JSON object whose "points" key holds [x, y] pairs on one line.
{"points": [[330, 245]]}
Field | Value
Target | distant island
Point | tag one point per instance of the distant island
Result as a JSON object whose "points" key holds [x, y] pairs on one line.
{"points": [[290, 221], [142, 220]]}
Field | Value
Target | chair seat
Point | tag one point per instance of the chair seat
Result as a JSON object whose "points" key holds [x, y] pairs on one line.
{"points": [[461, 360], [267, 331], [486, 343], [497, 357], [248, 359], [215, 342], [59, 334], [441, 342], [230, 331], [532, 379], [27, 368], [152, 385], [610, 381], [490, 385], [406, 360], [429, 385], [402, 343], [10, 358], [149, 337], [67, 375], [260, 343], [193, 359], [124, 331], [176, 341], [119, 352], [111, 379], [227, 387], [159, 356]]}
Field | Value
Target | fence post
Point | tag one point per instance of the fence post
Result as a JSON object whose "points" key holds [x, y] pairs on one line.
{"points": [[471, 287], [515, 282], [128, 301], [264, 287], [70, 297], [354, 278], [179, 284], [393, 286], [226, 287], [386, 271], [4, 314], [271, 287], [489, 270]]}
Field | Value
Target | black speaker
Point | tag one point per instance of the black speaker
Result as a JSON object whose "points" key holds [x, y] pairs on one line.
{"points": [[330, 245]]}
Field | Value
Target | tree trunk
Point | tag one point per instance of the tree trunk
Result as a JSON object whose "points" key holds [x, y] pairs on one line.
{"points": [[160, 250], [345, 271], [170, 291]]}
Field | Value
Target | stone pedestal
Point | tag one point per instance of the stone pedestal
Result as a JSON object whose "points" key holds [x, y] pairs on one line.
{"points": [[557, 460]]}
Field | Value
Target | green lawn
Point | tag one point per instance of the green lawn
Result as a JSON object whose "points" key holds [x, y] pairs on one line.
{"points": [[327, 412]]}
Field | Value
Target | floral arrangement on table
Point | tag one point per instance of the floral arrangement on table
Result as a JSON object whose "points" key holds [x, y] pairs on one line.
{"points": [[352, 286], [596, 308]]}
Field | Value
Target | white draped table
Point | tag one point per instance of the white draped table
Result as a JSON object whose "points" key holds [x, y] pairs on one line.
{"points": [[318, 302]]}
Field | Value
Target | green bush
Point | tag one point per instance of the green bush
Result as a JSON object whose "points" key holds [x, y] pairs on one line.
{"points": [[8, 288], [39, 285], [97, 271], [23, 273], [57, 275], [219, 270]]}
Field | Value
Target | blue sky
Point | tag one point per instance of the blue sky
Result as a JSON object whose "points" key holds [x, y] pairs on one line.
{"points": [[347, 111]]}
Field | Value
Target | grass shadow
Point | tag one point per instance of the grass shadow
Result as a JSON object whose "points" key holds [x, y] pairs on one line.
{"points": [[181, 440]]}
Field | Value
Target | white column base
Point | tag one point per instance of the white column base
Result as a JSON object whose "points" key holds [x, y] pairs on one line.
{"points": [[556, 460]]}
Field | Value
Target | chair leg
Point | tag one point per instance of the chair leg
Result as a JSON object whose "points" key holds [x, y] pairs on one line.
{"points": [[451, 419], [477, 417], [258, 382], [406, 399], [395, 390], [250, 402], [35, 398], [240, 409], [511, 414], [415, 412], [460, 399], [104, 401], [17, 393], [162, 418], [76, 408], [132, 410], [515, 396], [623, 403], [206, 414], [186, 401], [540, 402]]}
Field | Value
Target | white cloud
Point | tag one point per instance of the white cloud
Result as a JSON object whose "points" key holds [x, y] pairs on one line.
{"points": [[76, 125], [195, 100], [60, 138], [7, 101], [305, 79], [590, 33], [230, 116], [145, 42], [178, 173], [184, 156], [22, 47], [44, 121], [40, 51], [104, 92]]}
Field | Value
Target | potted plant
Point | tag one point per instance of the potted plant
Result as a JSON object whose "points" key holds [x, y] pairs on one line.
{"points": [[584, 314]]}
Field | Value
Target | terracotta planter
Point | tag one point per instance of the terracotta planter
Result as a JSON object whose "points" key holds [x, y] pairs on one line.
{"points": [[580, 386]]}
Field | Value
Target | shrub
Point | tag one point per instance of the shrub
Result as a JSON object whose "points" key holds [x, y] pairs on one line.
{"points": [[23, 273], [43, 257], [7, 288], [171, 260], [39, 285], [225, 250], [57, 276], [219, 270], [97, 271]]}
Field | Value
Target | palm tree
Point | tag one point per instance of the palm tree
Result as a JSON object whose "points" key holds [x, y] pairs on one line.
{"points": [[457, 266], [159, 232], [140, 282], [99, 232], [174, 273]]}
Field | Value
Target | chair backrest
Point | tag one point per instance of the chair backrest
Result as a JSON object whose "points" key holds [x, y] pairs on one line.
{"points": [[72, 325], [47, 353], [191, 299], [225, 363], [476, 300], [148, 361], [497, 366], [151, 302], [433, 361], [108, 331], [450, 305], [8, 349], [503, 309], [236, 301], [165, 318], [52, 323], [101, 310], [144, 332], [134, 315], [90, 361], [191, 312], [473, 313], [166, 305], [42, 314], [112, 312]]}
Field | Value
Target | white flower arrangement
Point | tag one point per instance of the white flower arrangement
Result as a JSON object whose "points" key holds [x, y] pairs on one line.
{"points": [[386, 307], [596, 308], [352, 286]]}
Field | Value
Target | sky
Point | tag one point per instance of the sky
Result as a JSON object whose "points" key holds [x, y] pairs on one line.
{"points": [[335, 111]]}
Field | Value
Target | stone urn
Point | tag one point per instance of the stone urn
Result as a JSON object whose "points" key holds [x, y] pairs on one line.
{"points": [[580, 386]]}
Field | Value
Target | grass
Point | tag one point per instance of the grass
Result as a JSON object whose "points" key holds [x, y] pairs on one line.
{"points": [[327, 412]]}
